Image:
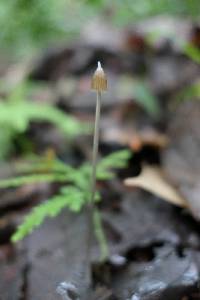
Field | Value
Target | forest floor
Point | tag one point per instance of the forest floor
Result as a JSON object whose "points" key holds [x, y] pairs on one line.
{"points": [[154, 245]]}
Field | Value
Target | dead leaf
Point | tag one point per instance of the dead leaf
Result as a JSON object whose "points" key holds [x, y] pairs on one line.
{"points": [[153, 180]]}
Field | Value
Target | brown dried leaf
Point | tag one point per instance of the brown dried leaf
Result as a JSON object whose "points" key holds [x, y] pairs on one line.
{"points": [[153, 180]]}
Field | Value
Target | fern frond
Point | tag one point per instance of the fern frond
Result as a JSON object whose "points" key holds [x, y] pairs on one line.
{"points": [[57, 171], [71, 198], [17, 112], [68, 124], [74, 196], [6, 137], [116, 160], [28, 179], [38, 165], [17, 115], [105, 167]]}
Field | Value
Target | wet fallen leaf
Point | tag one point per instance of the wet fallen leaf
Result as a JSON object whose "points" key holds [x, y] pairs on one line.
{"points": [[153, 180]]}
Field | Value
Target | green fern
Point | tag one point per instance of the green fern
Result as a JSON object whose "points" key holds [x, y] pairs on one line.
{"points": [[189, 92], [6, 138], [16, 113], [32, 25], [141, 93], [74, 195], [42, 170], [72, 198], [192, 52], [115, 160], [21, 180]]}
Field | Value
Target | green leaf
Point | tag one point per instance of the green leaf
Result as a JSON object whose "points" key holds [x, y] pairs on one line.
{"points": [[190, 92], [144, 96], [192, 52], [71, 198], [74, 198], [140, 92], [28, 179], [69, 125], [6, 137], [116, 160], [18, 111], [37, 165], [56, 171], [18, 115]]}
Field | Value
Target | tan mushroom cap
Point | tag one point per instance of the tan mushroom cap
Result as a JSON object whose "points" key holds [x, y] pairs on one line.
{"points": [[99, 79]]}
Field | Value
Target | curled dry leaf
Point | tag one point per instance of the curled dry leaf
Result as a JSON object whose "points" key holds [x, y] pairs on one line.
{"points": [[153, 180]]}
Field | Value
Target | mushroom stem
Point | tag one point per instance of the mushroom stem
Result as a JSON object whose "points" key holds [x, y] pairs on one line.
{"points": [[95, 146]]}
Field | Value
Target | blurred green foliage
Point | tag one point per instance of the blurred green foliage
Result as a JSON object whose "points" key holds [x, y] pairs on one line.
{"points": [[146, 99], [189, 92], [128, 11], [74, 195], [192, 52], [27, 25], [17, 111], [139, 92]]}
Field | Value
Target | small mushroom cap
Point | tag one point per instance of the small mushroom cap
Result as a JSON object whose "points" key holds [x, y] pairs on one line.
{"points": [[99, 79]]}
